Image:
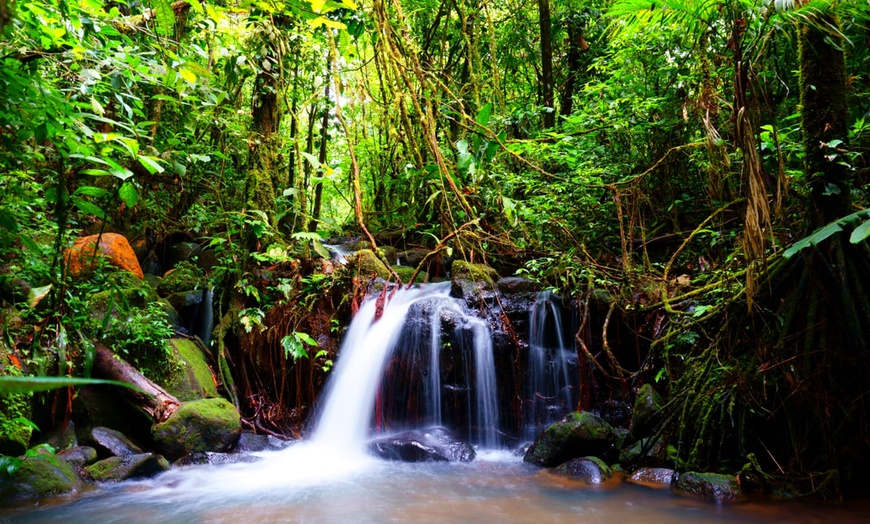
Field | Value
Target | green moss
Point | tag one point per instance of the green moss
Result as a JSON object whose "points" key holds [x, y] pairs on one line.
{"points": [[184, 278], [405, 273], [192, 378], [127, 467], [201, 425], [462, 270], [39, 476], [577, 435], [367, 264]]}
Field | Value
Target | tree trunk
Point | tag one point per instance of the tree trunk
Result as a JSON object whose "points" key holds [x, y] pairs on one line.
{"points": [[576, 45], [321, 157], [549, 118], [824, 119], [150, 397]]}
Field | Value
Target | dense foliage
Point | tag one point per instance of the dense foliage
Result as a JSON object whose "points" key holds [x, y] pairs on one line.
{"points": [[667, 153]]}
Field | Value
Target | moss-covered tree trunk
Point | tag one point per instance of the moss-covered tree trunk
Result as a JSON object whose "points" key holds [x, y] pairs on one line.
{"points": [[824, 119]]}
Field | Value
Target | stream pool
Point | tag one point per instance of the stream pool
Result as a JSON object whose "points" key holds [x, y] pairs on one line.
{"points": [[306, 484]]}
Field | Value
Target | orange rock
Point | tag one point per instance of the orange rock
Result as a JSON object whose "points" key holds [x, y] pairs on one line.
{"points": [[114, 247]]}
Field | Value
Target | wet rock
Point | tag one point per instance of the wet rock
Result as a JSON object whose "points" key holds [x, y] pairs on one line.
{"points": [[591, 470], [102, 406], [41, 475], [435, 444], [250, 442], [201, 425], [79, 456], [648, 451], [82, 257], [61, 437], [514, 285], [577, 435], [108, 442], [708, 486], [192, 379], [128, 467], [214, 458], [647, 407], [658, 478]]}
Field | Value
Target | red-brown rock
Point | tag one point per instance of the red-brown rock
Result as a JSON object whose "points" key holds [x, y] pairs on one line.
{"points": [[115, 248]]}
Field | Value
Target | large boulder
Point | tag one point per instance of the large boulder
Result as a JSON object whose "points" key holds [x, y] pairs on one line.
{"points": [[647, 408], [192, 378], [708, 486], [82, 257], [79, 456], [590, 470], [40, 475], [577, 435], [211, 424], [434, 444], [128, 467]]}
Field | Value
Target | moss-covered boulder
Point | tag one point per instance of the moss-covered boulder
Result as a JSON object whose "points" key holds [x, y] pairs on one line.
{"points": [[41, 475], [184, 278], [577, 435], [708, 486], [141, 465], [201, 425], [647, 409], [477, 273], [122, 290], [367, 264], [406, 272], [192, 378], [590, 470]]}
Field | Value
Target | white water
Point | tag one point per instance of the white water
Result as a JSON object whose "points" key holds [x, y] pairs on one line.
{"points": [[339, 254]]}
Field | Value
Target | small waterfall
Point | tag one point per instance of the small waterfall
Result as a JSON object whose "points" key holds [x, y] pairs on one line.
{"points": [[389, 373], [339, 253], [549, 388], [205, 321]]}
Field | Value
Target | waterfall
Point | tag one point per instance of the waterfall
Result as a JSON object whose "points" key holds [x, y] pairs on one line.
{"points": [[205, 322], [339, 253], [551, 364], [389, 376]]}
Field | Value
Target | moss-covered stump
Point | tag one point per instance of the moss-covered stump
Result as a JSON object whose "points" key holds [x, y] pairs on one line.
{"points": [[647, 408], [367, 264], [657, 478], [192, 378], [127, 467], [708, 486], [83, 255], [577, 435], [590, 470], [201, 425], [42, 475]]}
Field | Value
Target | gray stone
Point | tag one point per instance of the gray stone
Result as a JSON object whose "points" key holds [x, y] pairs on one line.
{"points": [[79, 456], [708, 486], [590, 470], [658, 478], [434, 444], [128, 467], [109, 442]]}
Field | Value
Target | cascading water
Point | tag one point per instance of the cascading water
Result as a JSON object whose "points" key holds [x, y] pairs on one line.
{"points": [[549, 389], [339, 254], [392, 368]]}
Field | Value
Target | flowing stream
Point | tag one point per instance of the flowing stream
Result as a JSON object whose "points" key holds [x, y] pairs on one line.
{"points": [[330, 478]]}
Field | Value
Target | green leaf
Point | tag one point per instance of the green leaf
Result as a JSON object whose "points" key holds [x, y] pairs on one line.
{"points": [[484, 114], [150, 163], [91, 191], [860, 233], [128, 194], [88, 207], [293, 347], [305, 337], [8, 222], [165, 16], [37, 294], [36, 384]]}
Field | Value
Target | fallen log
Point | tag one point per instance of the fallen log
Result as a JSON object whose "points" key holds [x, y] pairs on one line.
{"points": [[148, 396]]}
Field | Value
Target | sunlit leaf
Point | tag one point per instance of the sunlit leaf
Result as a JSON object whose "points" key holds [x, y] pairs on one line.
{"points": [[37, 294], [36, 384], [128, 194]]}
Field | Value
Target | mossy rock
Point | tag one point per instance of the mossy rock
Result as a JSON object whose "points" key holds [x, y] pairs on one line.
{"points": [[389, 253], [648, 452], [708, 486], [38, 476], [133, 291], [14, 436], [201, 425], [367, 264], [79, 456], [577, 435], [476, 273], [406, 272], [128, 467], [184, 278], [647, 408], [590, 470], [656, 478], [192, 379]]}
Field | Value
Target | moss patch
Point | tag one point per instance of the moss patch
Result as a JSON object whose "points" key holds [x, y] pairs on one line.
{"points": [[462, 270], [577, 435], [39, 476], [184, 278], [406, 272], [201, 425], [192, 379], [367, 264]]}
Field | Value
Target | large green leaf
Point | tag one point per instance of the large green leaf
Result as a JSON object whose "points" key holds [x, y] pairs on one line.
{"points": [[859, 233], [36, 384]]}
